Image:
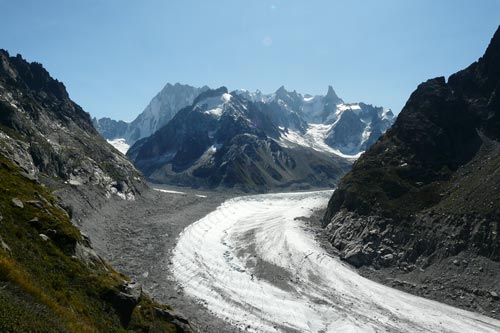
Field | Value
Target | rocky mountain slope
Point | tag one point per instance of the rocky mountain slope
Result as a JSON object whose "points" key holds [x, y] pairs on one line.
{"points": [[50, 154], [226, 140], [422, 204], [159, 112]]}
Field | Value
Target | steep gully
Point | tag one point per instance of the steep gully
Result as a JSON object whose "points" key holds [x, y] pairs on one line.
{"points": [[254, 263]]}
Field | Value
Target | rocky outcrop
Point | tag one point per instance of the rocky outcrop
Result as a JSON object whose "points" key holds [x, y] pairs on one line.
{"points": [[383, 242]]}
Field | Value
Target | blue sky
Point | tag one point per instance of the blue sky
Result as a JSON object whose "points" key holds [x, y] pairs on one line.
{"points": [[115, 55]]}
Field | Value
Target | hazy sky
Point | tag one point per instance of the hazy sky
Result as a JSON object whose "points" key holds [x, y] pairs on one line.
{"points": [[115, 55]]}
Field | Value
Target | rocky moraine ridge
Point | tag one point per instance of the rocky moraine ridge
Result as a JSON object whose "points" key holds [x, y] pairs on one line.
{"points": [[420, 209]]}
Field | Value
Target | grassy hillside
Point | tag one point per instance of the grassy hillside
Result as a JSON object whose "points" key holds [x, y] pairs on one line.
{"points": [[50, 281]]}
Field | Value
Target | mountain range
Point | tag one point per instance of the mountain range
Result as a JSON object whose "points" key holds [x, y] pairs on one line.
{"points": [[349, 127], [223, 139], [248, 139]]}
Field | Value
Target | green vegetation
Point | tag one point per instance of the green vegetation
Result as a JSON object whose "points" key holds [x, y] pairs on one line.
{"points": [[44, 287], [391, 182]]}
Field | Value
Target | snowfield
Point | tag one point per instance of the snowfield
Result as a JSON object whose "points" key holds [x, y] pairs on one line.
{"points": [[315, 139], [253, 264]]}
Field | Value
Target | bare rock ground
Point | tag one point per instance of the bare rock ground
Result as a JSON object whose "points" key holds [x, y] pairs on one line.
{"points": [[137, 237]]}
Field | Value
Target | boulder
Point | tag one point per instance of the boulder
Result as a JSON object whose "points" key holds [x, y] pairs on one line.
{"points": [[17, 203], [34, 220], [125, 299], [356, 255], [35, 203], [387, 259], [133, 289], [181, 323], [5, 246]]}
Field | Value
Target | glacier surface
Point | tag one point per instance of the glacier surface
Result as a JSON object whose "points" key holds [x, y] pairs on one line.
{"points": [[218, 260]]}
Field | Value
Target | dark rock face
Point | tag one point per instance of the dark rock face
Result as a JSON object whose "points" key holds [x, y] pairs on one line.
{"points": [[226, 140], [51, 137], [346, 133], [429, 188], [284, 110], [284, 117]]}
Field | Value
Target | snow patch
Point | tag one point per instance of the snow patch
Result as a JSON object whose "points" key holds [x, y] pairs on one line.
{"points": [[120, 144], [226, 97], [215, 112], [366, 134], [387, 114], [343, 107], [169, 191], [178, 192], [214, 105], [313, 138]]}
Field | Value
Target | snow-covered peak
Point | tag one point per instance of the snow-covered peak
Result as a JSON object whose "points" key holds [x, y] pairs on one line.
{"points": [[161, 110]]}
